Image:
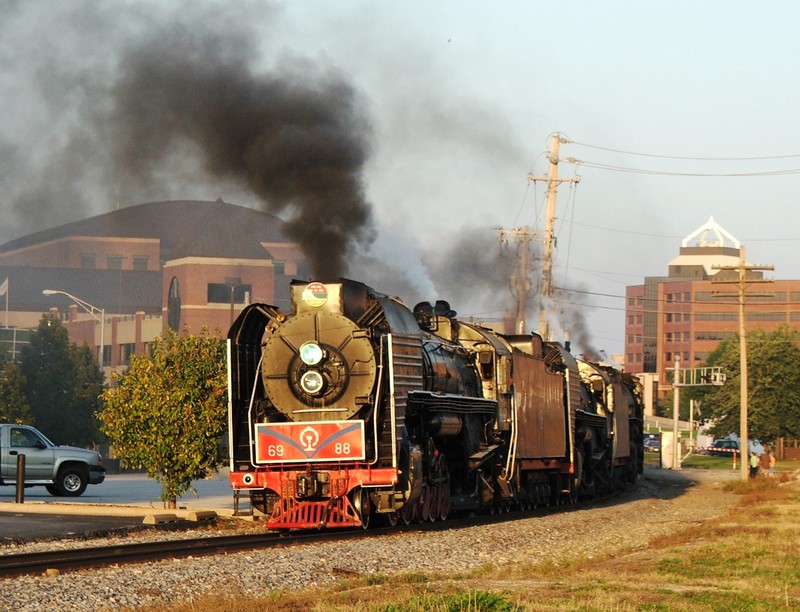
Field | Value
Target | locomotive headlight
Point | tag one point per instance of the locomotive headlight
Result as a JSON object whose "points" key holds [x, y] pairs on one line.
{"points": [[311, 382], [311, 353]]}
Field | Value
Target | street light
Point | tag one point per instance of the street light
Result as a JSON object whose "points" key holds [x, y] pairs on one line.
{"points": [[92, 310]]}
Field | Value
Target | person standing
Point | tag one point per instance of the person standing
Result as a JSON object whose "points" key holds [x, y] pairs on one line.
{"points": [[763, 462], [753, 464]]}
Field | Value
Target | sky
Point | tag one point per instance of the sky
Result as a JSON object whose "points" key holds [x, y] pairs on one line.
{"points": [[397, 137]]}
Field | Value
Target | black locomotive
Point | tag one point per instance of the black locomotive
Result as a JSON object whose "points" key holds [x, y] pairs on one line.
{"points": [[354, 406]]}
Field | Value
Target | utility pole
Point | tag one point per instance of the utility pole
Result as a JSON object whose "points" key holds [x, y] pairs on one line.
{"points": [[676, 406], [553, 181], [521, 281], [743, 281]]}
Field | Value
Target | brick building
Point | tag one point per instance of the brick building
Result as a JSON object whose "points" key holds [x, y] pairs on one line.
{"points": [[182, 264], [685, 315]]}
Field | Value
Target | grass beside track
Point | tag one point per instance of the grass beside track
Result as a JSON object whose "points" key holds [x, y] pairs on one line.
{"points": [[746, 560]]}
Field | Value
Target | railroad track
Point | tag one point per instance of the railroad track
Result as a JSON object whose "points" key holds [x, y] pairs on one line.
{"points": [[75, 559], [102, 556]]}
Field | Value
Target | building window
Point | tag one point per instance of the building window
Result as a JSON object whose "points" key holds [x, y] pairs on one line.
{"points": [[639, 319], [114, 262], [716, 316], [126, 352], [668, 337], [174, 304], [669, 297], [140, 262], [668, 317], [223, 293], [766, 316], [687, 297], [88, 262], [630, 319], [713, 336]]}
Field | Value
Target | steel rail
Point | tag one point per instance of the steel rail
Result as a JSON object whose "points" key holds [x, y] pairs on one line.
{"points": [[73, 559], [99, 556]]}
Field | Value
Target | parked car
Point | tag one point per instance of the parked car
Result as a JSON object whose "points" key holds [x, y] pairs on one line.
{"points": [[723, 448], [652, 444], [62, 470]]}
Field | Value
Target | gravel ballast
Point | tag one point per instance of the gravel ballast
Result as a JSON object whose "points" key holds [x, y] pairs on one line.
{"points": [[662, 502]]}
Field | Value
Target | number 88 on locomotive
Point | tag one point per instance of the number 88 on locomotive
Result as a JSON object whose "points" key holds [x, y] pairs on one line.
{"points": [[356, 407]]}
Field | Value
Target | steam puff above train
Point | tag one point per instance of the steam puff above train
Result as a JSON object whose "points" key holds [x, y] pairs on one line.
{"points": [[355, 407]]}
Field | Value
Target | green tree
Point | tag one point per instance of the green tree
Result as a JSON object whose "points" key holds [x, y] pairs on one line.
{"points": [[14, 406], [773, 399], [167, 412], [63, 384]]}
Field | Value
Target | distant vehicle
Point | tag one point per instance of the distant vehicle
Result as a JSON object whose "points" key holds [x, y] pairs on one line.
{"points": [[62, 470], [723, 448], [652, 445]]}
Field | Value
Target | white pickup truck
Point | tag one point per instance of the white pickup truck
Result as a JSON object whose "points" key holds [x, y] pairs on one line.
{"points": [[63, 470]]}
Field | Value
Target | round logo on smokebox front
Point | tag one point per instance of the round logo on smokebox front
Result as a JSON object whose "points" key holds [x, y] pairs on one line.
{"points": [[315, 294]]}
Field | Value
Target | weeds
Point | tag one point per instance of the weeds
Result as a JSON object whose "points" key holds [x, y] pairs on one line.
{"points": [[471, 601], [746, 560]]}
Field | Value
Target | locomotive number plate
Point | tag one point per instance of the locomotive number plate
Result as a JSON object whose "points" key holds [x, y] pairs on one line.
{"points": [[312, 441]]}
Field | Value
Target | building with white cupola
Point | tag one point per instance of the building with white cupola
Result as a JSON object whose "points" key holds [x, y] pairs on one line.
{"points": [[684, 315]]}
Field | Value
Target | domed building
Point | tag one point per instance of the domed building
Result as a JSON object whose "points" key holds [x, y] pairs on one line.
{"points": [[140, 269], [682, 317]]}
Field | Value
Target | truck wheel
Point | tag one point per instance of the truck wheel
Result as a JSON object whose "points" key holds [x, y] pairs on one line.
{"points": [[53, 490], [72, 481]]}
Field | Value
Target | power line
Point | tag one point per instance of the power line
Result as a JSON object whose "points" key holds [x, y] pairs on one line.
{"points": [[685, 158], [666, 236], [598, 166]]}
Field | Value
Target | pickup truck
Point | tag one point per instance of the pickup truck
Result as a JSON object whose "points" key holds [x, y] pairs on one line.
{"points": [[62, 470]]}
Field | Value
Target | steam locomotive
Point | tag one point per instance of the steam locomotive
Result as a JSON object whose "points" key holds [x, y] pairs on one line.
{"points": [[355, 407]]}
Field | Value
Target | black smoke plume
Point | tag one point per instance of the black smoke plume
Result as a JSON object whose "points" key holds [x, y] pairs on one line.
{"points": [[472, 270], [294, 136]]}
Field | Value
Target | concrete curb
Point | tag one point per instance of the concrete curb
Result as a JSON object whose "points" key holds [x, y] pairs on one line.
{"points": [[36, 507]]}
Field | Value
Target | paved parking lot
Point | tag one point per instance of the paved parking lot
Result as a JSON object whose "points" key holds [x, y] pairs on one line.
{"points": [[122, 501], [134, 489]]}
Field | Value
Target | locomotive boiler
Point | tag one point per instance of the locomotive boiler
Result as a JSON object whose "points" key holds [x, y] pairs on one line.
{"points": [[354, 406]]}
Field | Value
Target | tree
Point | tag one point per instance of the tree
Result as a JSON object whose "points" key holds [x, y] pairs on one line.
{"points": [[63, 383], [167, 412], [14, 406], [773, 398]]}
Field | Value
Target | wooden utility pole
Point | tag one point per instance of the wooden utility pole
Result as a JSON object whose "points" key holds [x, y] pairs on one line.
{"points": [[743, 281], [521, 282], [553, 181]]}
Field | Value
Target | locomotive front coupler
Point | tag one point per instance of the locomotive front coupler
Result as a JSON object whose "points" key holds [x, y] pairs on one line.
{"points": [[312, 484]]}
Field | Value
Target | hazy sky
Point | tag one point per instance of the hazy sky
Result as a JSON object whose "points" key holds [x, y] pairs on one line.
{"points": [[453, 104]]}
